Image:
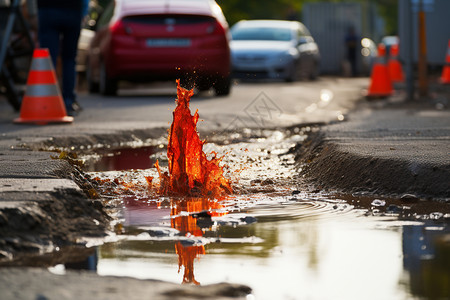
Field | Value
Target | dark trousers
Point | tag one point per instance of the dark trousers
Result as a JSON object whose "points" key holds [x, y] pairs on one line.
{"points": [[59, 30]]}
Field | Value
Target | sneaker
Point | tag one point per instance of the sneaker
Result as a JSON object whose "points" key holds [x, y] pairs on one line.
{"points": [[76, 106], [72, 113]]}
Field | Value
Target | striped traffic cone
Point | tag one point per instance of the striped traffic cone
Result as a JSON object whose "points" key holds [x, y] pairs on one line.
{"points": [[42, 102], [445, 78], [380, 85], [394, 66]]}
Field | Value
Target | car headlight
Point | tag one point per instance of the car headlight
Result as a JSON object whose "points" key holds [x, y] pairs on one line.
{"points": [[292, 52], [287, 55]]}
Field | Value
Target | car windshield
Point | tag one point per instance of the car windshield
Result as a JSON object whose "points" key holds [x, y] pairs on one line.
{"points": [[390, 40], [261, 34]]}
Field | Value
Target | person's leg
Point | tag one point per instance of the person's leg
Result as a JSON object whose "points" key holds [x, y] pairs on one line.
{"points": [[354, 70], [49, 32], [69, 46]]}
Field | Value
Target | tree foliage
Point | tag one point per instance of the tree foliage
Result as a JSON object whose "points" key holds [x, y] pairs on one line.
{"points": [[236, 10]]}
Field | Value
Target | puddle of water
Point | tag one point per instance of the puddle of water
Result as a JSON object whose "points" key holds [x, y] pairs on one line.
{"points": [[120, 159], [284, 245], [283, 250]]}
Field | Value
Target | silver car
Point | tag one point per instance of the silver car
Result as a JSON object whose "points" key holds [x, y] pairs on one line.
{"points": [[273, 49]]}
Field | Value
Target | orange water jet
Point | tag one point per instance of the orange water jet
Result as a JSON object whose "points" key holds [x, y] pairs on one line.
{"points": [[190, 171], [191, 174]]}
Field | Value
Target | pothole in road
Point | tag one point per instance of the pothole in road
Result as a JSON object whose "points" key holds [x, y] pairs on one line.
{"points": [[261, 169], [269, 225]]}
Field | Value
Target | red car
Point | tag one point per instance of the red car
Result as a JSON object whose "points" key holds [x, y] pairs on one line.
{"points": [[154, 40]]}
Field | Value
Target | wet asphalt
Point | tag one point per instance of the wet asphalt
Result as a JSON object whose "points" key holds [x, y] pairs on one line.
{"points": [[384, 146]]}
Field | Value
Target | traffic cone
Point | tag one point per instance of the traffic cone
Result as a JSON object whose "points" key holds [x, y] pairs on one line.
{"points": [[394, 66], [42, 102], [380, 85], [445, 78]]}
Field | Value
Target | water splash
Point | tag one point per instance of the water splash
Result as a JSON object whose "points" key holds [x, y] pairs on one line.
{"points": [[190, 171]]}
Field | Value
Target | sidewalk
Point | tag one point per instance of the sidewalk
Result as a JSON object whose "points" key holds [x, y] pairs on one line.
{"points": [[386, 147]]}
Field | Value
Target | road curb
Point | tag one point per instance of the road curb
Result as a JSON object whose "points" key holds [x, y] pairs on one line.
{"points": [[327, 164]]}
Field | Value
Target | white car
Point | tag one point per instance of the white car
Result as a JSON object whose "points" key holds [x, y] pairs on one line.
{"points": [[273, 49], [388, 41]]}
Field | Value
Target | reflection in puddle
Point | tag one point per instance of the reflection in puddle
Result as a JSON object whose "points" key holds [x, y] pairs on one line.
{"points": [[183, 220], [189, 217], [426, 258], [283, 249]]}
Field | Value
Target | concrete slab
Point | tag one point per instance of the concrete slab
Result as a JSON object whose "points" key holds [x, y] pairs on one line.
{"points": [[31, 164], [28, 283], [35, 185]]}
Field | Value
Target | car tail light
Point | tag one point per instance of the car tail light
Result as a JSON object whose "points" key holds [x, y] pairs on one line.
{"points": [[119, 27], [216, 36], [216, 28]]}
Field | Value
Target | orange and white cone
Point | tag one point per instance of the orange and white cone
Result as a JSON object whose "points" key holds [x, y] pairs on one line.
{"points": [[42, 102], [394, 66], [380, 85], [445, 78]]}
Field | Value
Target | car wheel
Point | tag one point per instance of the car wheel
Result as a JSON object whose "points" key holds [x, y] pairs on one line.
{"points": [[203, 85], [222, 86], [91, 84], [107, 85], [295, 73]]}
